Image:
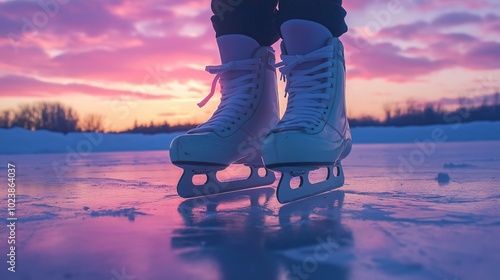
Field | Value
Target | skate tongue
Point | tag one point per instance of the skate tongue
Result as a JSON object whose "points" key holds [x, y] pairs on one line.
{"points": [[304, 36], [306, 88], [236, 47], [301, 37], [235, 91]]}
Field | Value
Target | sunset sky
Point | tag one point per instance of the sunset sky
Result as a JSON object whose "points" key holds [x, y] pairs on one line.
{"points": [[144, 60]]}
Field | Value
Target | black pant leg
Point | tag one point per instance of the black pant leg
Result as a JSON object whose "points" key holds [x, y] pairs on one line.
{"points": [[326, 12], [253, 18]]}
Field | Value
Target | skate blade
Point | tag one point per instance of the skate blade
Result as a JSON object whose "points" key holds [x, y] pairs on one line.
{"points": [[285, 192], [186, 188]]}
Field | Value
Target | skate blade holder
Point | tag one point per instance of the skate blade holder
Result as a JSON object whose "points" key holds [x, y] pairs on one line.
{"points": [[187, 188], [295, 183]]}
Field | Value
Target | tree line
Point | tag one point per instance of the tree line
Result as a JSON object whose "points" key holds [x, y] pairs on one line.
{"points": [[153, 128], [57, 117], [54, 116], [50, 116], [414, 114]]}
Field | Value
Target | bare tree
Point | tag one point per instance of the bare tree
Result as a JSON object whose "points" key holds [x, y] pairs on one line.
{"points": [[411, 106], [388, 112], [6, 119], [45, 115], [92, 123]]}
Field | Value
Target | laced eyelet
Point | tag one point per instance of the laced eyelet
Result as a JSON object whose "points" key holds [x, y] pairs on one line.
{"points": [[298, 80]]}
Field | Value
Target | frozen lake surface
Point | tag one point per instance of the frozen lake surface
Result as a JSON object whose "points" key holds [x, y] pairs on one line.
{"points": [[117, 216]]}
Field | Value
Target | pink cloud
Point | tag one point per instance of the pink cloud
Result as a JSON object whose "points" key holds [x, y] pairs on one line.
{"points": [[103, 41], [485, 55], [388, 61], [433, 5], [17, 86], [463, 50], [423, 5], [128, 64], [405, 31], [492, 24], [90, 17]]}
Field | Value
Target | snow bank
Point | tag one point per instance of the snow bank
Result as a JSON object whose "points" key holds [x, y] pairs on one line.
{"points": [[476, 131], [20, 141]]}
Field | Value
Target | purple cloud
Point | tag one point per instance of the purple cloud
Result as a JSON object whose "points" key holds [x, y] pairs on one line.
{"points": [[456, 18]]}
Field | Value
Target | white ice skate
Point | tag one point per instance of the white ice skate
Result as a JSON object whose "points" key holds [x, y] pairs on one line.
{"points": [[236, 131], [314, 132]]}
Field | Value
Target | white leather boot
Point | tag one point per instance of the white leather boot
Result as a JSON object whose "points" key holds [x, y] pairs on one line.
{"points": [[236, 131], [314, 132]]}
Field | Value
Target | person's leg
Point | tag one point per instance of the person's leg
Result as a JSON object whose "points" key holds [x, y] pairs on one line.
{"points": [[248, 107], [328, 13], [253, 18], [314, 131]]}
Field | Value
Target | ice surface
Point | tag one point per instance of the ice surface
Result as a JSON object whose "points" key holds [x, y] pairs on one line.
{"points": [[117, 216]]}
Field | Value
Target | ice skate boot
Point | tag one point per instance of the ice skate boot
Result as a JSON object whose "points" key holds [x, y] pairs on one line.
{"points": [[314, 132], [236, 131]]}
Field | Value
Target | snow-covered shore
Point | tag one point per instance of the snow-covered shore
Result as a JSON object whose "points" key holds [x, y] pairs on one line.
{"points": [[20, 141]]}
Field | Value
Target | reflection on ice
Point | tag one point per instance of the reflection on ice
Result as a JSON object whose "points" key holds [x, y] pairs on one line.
{"points": [[251, 242]]}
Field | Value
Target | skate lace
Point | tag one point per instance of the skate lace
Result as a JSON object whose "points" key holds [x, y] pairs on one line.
{"points": [[235, 93], [305, 89]]}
